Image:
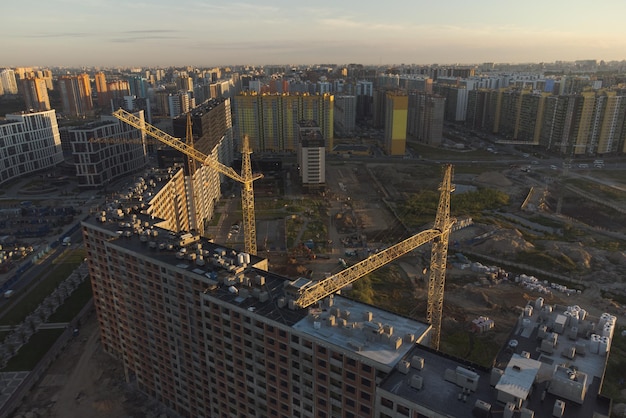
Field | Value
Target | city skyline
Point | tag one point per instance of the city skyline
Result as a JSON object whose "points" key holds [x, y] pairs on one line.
{"points": [[70, 33]]}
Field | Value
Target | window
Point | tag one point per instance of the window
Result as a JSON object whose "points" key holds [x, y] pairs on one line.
{"points": [[387, 403], [403, 410]]}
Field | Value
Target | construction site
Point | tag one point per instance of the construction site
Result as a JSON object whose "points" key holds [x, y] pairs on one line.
{"points": [[357, 239]]}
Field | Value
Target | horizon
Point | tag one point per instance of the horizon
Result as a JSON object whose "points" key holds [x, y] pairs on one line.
{"points": [[74, 33]]}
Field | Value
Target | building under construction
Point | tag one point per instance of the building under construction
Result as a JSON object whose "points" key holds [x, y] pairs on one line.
{"points": [[210, 332]]}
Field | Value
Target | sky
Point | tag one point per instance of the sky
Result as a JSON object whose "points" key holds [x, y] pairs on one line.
{"points": [[109, 33]]}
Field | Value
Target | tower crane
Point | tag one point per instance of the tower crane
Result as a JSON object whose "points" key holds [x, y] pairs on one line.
{"points": [[438, 258], [246, 178], [304, 293]]}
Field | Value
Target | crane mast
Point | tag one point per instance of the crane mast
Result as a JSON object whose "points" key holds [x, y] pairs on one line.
{"points": [[246, 178], [247, 198], [438, 257]]}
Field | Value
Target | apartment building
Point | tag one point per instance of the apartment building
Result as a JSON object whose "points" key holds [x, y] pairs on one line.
{"points": [[396, 117], [106, 150], [29, 142], [271, 120], [345, 115], [8, 82], [311, 156], [75, 94], [587, 123], [425, 117], [35, 93]]}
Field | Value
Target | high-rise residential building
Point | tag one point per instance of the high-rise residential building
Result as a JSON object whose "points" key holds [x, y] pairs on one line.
{"points": [[211, 127], [205, 349], [396, 114], [456, 101], [102, 90], [212, 131], [365, 88], [138, 86], [117, 89], [271, 120], [35, 92], [29, 142], [417, 83], [320, 108], [184, 83], [344, 115], [610, 130], [106, 150], [479, 115], [587, 123], [425, 117], [23, 72], [311, 156], [179, 103], [76, 94], [8, 81]]}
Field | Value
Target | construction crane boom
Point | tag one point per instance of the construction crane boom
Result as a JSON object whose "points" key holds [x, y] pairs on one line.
{"points": [[246, 178], [177, 144], [317, 291]]}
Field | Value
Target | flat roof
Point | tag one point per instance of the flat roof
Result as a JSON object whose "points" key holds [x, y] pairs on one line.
{"points": [[519, 376], [438, 394], [525, 370], [365, 329]]}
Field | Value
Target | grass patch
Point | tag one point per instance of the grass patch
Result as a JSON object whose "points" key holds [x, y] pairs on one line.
{"points": [[480, 349], [386, 288], [216, 218], [615, 369], [72, 305], [543, 261], [598, 189], [29, 355], [62, 268], [542, 220]]}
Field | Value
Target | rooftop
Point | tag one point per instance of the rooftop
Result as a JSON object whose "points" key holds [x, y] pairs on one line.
{"points": [[555, 354]]}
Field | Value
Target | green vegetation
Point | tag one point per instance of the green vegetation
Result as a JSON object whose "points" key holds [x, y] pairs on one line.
{"points": [[216, 218], [387, 288], [544, 261], [62, 268], [598, 189], [477, 348], [421, 207], [613, 386], [29, 355], [542, 220], [72, 305]]}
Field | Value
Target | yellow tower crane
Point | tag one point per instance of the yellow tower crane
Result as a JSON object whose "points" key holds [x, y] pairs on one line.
{"points": [[304, 293], [246, 178], [438, 258]]}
